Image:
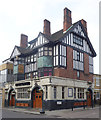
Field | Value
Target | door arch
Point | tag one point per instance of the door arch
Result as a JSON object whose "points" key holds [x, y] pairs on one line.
{"points": [[36, 97], [11, 98]]}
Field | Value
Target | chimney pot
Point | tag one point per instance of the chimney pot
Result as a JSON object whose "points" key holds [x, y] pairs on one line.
{"points": [[46, 29], [24, 41]]}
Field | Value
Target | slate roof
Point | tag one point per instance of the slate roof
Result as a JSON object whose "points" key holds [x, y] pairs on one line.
{"points": [[57, 36]]}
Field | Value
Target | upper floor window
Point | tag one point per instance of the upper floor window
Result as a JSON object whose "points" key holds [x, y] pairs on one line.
{"points": [[90, 64], [78, 60], [45, 51], [45, 72], [77, 40], [56, 58], [97, 81], [62, 55]]}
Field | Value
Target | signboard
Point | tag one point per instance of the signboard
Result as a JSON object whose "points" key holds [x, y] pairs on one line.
{"points": [[59, 102]]}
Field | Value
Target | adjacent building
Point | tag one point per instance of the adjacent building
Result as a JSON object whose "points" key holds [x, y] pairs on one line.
{"points": [[53, 71], [97, 88], [6, 75]]}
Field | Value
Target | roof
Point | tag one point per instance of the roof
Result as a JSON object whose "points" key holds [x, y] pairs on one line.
{"points": [[57, 36]]}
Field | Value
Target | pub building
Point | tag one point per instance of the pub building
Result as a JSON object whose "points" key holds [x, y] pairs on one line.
{"points": [[53, 71]]}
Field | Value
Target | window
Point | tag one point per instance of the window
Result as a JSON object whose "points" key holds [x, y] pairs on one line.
{"points": [[74, 92], [28, 75], [35, 75], [32, 58], [62, 92], [78, 62], [62, 55], [45, 72], [77, 40], [90, 64], [29, 59], [45, 51], [70, 92], [23, 93], [54, 92], [56, 55], [97, 81], [46, 92], [78, 74], [97, 95], [81, 93]]}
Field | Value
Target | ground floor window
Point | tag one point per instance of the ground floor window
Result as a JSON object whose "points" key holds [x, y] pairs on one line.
{"points": [[74, 92], [80, 93], [23, 93], [97, 95], [54, 92], [63, 92], [46, 92]]}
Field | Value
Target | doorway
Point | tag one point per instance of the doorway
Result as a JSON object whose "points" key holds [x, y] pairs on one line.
{"points": [[37, 98], [89, 98], [11, 99]]}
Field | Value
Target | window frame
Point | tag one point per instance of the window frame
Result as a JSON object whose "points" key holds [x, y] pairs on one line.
{"points": [[55, 92]]}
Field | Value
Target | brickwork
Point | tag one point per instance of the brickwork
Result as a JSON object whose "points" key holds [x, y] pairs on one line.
{"points": [[69, 72], [86, 63], [67, 19], [24, 41], [46, 29]]}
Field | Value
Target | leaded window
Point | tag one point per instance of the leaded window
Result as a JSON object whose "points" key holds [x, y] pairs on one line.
{"points": [[45, 72], [45, 51], [90, 64], [78, 60], [63, 92], [81, 93], [23, 93], [62, 55], [55, 92], [77, 40]]}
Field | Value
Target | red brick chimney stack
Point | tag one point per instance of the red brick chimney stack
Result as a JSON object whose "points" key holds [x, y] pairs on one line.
{"points": [[46, 29], [24, 41], [84, 23], [67, 19]]}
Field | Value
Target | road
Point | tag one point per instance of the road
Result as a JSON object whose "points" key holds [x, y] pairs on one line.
{"points": [[76, 113]]}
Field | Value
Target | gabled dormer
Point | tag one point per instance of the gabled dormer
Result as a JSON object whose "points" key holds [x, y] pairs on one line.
{"points": [[39, 41], [15, 52]]}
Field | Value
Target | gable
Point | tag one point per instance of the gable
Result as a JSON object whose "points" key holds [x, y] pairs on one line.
{"points": [[78, 30], [15, 52], [41, 39], [77, 38]]}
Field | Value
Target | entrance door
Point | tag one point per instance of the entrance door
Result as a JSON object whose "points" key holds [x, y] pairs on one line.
{"points": [[12, 100], [37, 99], [89, 99]]}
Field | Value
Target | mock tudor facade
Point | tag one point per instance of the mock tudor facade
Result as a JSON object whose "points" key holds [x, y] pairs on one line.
{"points": [[53, 71]]}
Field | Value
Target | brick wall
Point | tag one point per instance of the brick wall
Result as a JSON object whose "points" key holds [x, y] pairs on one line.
{"points": [[69, 72]]}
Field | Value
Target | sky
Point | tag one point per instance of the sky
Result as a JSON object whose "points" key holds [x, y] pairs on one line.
{"points": [[26, 16]]}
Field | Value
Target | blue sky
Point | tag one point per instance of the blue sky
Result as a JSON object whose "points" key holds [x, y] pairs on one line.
{"points": [[26, 16]]}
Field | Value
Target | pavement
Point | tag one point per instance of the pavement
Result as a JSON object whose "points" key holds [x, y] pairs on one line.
{"points": [[62, 112]]}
